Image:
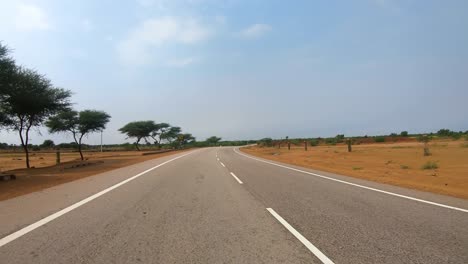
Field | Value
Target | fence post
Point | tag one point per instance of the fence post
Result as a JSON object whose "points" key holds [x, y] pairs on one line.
{"points": [[305, 145], [289, 145], [349, 145], [57, 160]]}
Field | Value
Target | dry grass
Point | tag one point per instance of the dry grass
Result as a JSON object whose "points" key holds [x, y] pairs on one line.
{"points": [[394, 163]]}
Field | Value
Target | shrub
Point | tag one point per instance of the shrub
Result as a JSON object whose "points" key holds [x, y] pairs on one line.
{"points": [[314, 143], [266, 142], [330, 141], [379, 139], [36, 148], [404, 167], [339, 138], [430, 165], [404, 133], [357, 168], [425, 139]]}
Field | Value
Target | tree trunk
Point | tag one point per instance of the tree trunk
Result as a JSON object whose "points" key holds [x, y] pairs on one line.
{"points": [[136, 144], [78, 143], [79, 147], [23, 144], [25, 148], [26, 145]]}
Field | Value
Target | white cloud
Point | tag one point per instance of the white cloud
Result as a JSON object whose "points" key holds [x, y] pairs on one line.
{"points": [[157, 32], [181, 62], [30, 17], [255, 30]]}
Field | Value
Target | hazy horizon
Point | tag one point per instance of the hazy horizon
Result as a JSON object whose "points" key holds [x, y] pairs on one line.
{"points": [[250, 69]]}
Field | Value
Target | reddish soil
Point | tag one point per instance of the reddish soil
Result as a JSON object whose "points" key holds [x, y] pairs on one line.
{"points": [[31, 180], [392, 163]]}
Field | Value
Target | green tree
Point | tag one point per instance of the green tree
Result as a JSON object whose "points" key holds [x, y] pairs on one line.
{"points": [[139, 130], [213, 140], [48, 144], [444, 132], [404, 133], [78, 123], [184, 139], [29, 99], [171, 134], [160, 129]]}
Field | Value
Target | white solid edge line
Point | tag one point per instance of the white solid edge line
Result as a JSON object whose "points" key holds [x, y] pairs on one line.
{"points": [[223, 164], [301, 238], [43, 221], [237, 179], [358, 185]]}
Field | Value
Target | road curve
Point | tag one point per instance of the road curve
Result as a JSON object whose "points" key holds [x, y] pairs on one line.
{"points": [[218, 205]]}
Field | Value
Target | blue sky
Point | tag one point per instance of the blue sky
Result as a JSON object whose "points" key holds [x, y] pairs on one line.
{"points": [[251, 69]]}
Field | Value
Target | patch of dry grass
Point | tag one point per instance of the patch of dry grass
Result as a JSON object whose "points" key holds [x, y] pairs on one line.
{"points": [[392, 163]]}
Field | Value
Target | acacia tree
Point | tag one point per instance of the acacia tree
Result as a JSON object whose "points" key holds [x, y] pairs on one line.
{"points": [[139, 130], [171, 134], [183, 139], [159, 130], [78, 123], [28, 100], [213, 140]]}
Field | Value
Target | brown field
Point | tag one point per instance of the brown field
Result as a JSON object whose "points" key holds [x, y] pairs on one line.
{"points": [[392, 163], [46, 174]]}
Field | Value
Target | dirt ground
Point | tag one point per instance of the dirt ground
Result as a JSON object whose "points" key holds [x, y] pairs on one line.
{"points": [[392, 163], [46, 174]]}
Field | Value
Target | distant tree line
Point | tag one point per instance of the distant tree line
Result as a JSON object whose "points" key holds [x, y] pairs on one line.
{"points": [[340, 138]]}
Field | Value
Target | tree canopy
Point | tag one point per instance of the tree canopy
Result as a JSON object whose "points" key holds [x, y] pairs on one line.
{"points": [[171, 134], [213, 140], [139, 130]]}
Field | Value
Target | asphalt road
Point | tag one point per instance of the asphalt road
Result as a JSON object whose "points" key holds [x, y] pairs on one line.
{"points": [[217, 205]]}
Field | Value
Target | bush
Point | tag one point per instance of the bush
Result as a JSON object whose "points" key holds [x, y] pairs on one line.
{"points": [[404, 167], [265, 142], [404, 133], [330, 141], [430, 165], [36, 148], [339, 138], [379, 139], [314, 143]]}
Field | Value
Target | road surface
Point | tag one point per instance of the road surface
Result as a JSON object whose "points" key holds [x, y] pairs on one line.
{"points": [[218, 205]]}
